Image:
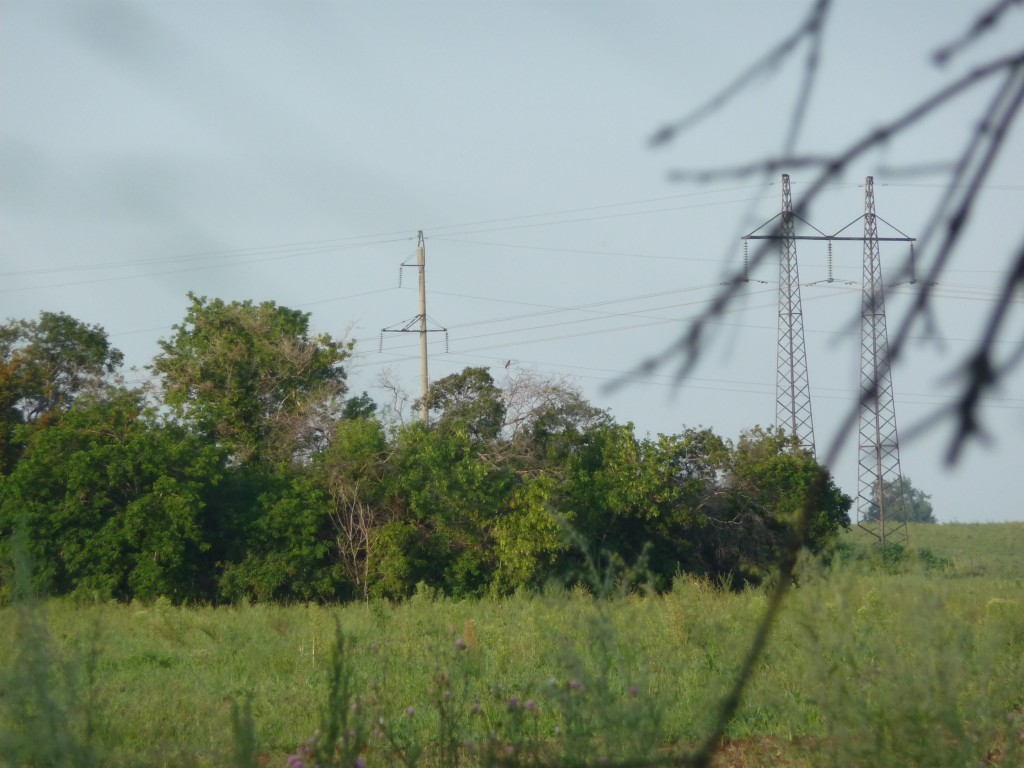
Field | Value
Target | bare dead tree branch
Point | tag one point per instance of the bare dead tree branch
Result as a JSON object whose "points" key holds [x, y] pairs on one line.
{"points": [[984, 24], [810, 27], [967, 173]]}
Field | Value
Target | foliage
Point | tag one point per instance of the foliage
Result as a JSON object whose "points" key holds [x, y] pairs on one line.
{"points": [[358, 479], [110, 500], [454, 493], [468, 400], [269, 486], [44, 365], [288, 547], [902, 501], [253, 378]]}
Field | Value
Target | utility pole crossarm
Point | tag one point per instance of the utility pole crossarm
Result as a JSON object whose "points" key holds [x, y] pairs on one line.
{"points": [[419, 323]]}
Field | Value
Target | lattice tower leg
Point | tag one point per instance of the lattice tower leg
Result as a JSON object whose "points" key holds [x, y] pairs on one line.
{"points": [[878, 442], [792, 387]]}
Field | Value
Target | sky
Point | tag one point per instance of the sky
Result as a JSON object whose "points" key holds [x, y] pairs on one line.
{"points": [[291, 152]]}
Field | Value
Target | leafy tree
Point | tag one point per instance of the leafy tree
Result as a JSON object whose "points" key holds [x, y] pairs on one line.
{"points": [[289, 552], [546, 420], [454, 493], [902, 501], [44, 365], [768, 484], [356, 473], [252, 377], [702, 503], [359, 406], [529, 538], [110, 499], [468, 400], [537, 405]]}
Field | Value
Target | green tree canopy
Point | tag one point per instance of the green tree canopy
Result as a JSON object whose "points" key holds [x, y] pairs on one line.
{"points": [[111, 500], [903, 502], [253, 377], [468, 400], [44, 365]]}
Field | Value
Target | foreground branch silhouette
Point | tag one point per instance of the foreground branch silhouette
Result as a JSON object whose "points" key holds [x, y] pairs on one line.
{"points": [[967, 171]]}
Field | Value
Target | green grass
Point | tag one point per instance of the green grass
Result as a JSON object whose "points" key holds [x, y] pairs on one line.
{"points": [[971, 549], [864, 668], [994, 549]]}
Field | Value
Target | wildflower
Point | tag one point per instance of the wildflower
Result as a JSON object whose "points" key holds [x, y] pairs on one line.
{"points": [[294, 761], [530, 705], [513, 704], [359, 762], [410, 710], [575, 685], [633, 691], [476, 709], [460, 644]]}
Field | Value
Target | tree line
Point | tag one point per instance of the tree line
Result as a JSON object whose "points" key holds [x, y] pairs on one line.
{"points": [[249, 472]]}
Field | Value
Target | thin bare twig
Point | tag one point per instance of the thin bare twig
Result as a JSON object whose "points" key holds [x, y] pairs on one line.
{"points": [[810, 27]]}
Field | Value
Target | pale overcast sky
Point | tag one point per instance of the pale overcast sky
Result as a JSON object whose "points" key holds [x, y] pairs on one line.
{"points": [[290, 151]]}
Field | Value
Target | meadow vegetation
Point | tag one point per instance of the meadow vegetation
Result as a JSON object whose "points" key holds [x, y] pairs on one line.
{"points": [[869, 665]]}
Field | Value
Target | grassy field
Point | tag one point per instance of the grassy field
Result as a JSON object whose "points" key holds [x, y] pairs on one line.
{"points": [[975, 548], [901, 667]]}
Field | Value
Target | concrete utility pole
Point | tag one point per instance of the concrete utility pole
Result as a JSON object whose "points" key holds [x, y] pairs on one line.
{"points": [[421, 262], [418, 324]]}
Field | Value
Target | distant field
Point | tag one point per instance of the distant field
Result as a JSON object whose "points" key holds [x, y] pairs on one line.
{"points": [[994, 549], [921, 668]]}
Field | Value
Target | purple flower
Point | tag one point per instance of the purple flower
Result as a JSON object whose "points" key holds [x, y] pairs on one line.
{"points": [[359, 762], [513, 704], [633, 691], [460, 644], [575, 685], [410, 710], [530, 705], [294, 761]]}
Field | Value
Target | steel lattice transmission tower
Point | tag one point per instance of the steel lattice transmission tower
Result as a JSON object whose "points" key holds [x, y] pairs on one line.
{"points": [[878, 451], [792, 386]]}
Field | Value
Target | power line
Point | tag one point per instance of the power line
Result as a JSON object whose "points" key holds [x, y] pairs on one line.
{"points": [[309, 247]]}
